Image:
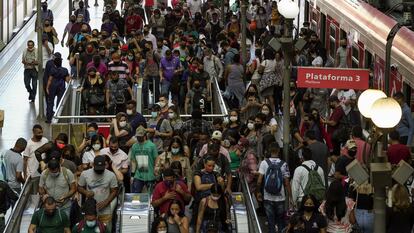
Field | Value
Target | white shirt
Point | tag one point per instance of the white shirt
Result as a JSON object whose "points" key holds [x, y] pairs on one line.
{"points": [[120, 159], [269, 65], [153, 40], [29, 152], [194, 6], [345, 96], [88, 157], [46, 56], [285, 171], [300, 179]]}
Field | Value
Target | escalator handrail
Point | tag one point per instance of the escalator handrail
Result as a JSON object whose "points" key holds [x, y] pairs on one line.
{"points": [[222, 104], [250, 204], [17, 211], [120, 205], [62, 102]]}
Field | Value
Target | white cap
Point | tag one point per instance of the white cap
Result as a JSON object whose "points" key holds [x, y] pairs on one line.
{"points": [[216, 135]]}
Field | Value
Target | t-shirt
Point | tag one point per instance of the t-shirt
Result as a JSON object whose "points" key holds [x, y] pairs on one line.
{"points": [[133, 22], [342, 52], [320, 153], [164, 127], [14, 163], [100, 185], [339, 226], [59, 74], [119, 159], [341, 163], [144, 155], [169, 66], [50, 224], [58, 186], [29, 152], [161, 189], [398, 152], [315, 223], [336, 116], [269, 66], [286, 174]]}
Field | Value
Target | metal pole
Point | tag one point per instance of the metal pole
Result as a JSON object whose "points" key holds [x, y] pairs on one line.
{"points": [[40, 59], [287, 48], [388, 47], [222, 11], [70, 7], [243, 31]]}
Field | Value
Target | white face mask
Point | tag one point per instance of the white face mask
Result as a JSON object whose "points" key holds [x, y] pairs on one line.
{"points": [[250, 126], [171, 115], [122, 123], [96, 146], [91, 223], [162, 104], [165, 231], [129, 112], [266, 112], [233, 118]]}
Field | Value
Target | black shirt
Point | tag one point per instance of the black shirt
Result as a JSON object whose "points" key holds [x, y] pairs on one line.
{"points": [[222, 166], [340, 165], [315, 223], [7, 197]]}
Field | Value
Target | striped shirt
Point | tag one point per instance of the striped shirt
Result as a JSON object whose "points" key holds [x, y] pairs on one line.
{"points": [[120, 67]]}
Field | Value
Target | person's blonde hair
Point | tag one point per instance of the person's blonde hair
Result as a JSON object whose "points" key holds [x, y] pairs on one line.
{"points": [[400, 197]]}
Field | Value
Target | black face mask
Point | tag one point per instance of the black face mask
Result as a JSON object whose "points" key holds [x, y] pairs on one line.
{"points": [[309, 208], [258, 125], [73, 20], [140, 139], [352, 153], [99, 172], [38, 137], [44, 8], [50, 213], [113, 151]]}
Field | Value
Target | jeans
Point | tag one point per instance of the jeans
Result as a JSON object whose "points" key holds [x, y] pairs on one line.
{"points": [[275, 215], [55, 90], [165, 87], [365, 220], [30, 76], [138, 185]]}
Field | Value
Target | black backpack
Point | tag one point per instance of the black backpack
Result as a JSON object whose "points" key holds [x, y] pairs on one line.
{"points": [[198, 99]]}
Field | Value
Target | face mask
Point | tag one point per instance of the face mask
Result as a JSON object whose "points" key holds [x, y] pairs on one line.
{"points": [[44, 8], [140, 139], [115, 80], [196, 86], [175, 151], [47, 25], [96, 146], [79, 20], [130, 57], [129, 112], [266, 112], [308, 208], [91, 223], [154, 114], [344, 46], [162, 231], [171, 115], [113, 151], [38, 137], [73, 20], [99, 172], [352, 153], [60, 145], [89, 50], [214, 198], [122, 123], [91, 134], [146, 32], [54, 174], [233, 118], [250, 126], [168, 183], [258, 125], [50, 213], [162, 104]]}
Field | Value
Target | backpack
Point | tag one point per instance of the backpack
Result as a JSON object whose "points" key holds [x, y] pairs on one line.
{"points": [[3, 174], [315, 184], [100, 225], [198, 101], [274, 177]]}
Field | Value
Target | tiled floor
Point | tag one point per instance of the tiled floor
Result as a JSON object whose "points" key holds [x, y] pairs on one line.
{"points": [[20, 115]]}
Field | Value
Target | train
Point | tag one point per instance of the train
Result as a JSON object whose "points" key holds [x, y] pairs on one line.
{"points": [[366, 29]]}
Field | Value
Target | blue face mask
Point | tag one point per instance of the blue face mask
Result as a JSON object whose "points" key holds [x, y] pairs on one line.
{"points": [[91, 134], [175, 151], [91, 223], [154, 114]]}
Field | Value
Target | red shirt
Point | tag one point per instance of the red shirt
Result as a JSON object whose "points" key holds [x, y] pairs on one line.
{"points": [[161, 189], [336, 116], [133, 22], [398, 152]]}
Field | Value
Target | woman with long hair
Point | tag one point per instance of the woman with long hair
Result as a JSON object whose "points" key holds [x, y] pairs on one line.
{"points": [[176, 221], [313, 220], [400, 217], [159, 226], [338, 209]]}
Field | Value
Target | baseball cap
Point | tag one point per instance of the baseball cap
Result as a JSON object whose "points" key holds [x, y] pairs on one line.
{"points": [[350, 144], [57, 55], [217, 135], [99, 163], [140, 132]]}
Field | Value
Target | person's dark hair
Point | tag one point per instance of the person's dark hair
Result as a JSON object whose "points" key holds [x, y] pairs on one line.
{"points": [[236, 58], [306, 198], [274, 149], [208, 158], [181, 213], [156, 223], [50, 200], [131, 102], [113, 140], [295, 221], [267, 140], [357, 131], [21, 143], [197, 114], [310, 134], [217, 121], [399, 95], [176, 165], [72, 153], [30, 41], [262, 117], [95, 138], [37, 126], [394, 135], [89, 207], [254, 86], [307, 153], [179, 141], [335, 204], [93, 125], [268, 54], [258, 54], [63, 137]]}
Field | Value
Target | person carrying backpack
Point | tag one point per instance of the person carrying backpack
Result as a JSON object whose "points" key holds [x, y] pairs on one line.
{"points": [[274, 175], [308, 178]]}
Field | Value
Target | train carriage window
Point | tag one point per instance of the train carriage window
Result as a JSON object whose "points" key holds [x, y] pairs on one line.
{"points": [[315, 19], [355, 56], [332, 40], [343, 34]]}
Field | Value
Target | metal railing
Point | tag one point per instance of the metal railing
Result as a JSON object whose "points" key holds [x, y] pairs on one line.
{"points": [[70, 103], [254, 224]]}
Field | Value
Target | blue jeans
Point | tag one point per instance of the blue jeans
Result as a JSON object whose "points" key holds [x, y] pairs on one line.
{"points": [[365, 220], [275, 211], [56, 90], [138, 185], [30, 77], [165, 87]]}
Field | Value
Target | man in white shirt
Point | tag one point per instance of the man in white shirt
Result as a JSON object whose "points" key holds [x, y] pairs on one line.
{"points": [[30, 163], [274, 204], [300, 177], [346, 96], [150, 37], [194, 6]]}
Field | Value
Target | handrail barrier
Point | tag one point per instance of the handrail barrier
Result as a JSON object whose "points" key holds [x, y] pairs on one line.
{"points": [[254, 224]]}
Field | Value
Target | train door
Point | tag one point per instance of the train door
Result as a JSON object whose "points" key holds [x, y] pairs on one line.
{"points": [[332, 36]]}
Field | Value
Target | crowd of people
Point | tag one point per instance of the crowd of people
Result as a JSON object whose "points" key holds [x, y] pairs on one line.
{"points": [[191, 167]]}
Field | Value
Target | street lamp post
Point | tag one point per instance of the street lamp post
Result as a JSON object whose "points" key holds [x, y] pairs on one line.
{"points": [[289, 10], [385, 113], [39, 29]]}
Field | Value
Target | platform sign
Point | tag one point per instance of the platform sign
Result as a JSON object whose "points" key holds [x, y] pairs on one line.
{"points": [[318, 77]]}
